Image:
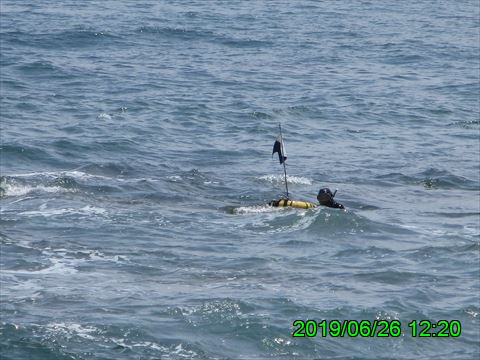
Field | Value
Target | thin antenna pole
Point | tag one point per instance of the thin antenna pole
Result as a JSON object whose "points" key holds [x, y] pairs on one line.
{"points": [[283, 154]]}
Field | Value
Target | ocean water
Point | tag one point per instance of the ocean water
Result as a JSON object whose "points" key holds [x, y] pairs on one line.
{"points": [[136, 163]]}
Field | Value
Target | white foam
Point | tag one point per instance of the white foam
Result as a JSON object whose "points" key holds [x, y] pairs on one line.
{"points": [[303, 223], [87, 210], [97, 255], [152, 345], [104, 116], [180, 351], [33, 174], [13, 189], [300, 180], [79, 175], [256, 209], [58, 267], [121, 343], [17, 188], [174, 178], [70, 330], [76, 174], [282, 341], [472, 313]]}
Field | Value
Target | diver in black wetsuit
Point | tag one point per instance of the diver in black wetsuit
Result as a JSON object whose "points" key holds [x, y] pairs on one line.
{"points": [[325, 198]]}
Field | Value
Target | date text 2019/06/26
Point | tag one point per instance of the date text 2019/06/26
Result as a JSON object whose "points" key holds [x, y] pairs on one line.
{"points": [[376, 328]]}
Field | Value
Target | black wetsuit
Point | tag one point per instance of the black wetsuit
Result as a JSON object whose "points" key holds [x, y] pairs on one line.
{"points": [[325, 198], [333, 204]]}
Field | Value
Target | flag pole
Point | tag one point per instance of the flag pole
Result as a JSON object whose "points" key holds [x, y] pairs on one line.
{"points": [[283, 154]]}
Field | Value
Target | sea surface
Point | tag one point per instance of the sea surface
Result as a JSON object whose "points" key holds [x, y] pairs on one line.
{"points": [[136, 165]]}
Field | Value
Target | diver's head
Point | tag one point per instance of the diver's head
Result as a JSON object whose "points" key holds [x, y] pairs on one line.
{"points": [[325, 196]]}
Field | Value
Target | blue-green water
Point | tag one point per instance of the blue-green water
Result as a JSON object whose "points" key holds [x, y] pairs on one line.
{"points": [[136, 143]]}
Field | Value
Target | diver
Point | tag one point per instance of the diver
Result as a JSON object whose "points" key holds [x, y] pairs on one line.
{"points": [[325, 198]]}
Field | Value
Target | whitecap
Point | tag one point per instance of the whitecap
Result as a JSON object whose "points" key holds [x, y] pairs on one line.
{"points": [[57, 267], [99, 256], [73, 329], [87, 210], [76, 174], [15, 189], [180, 351], [472, 313], [256, 209], [174, 178], [104, 116], [275, 179]]}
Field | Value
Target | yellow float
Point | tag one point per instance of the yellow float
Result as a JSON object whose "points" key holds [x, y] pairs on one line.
{"points": [[299, 204]]}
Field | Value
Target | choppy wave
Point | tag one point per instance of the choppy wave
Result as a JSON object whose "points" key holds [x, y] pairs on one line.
{"points": [[21, 152], [50, 340]]}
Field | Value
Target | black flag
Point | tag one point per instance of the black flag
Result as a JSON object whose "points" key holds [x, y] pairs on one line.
{"points": [[279, 147]]}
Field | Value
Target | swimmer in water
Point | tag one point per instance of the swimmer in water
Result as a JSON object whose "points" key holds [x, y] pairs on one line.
{"points": [[325, 198]]}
